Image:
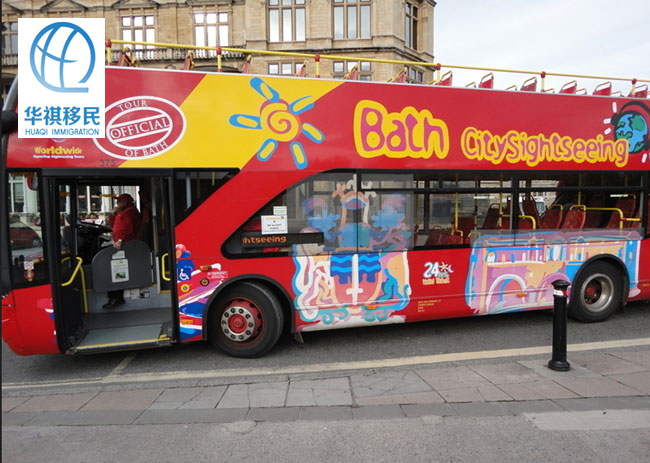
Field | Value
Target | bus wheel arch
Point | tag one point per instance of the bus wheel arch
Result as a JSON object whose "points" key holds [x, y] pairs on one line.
{"points": [[598, 289], [246, 318]]}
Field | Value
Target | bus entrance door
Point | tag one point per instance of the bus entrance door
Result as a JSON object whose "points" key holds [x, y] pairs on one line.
{"points": [[91, 271]]}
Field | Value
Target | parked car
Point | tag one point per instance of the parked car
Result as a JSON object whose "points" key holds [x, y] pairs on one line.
{"points": [[22, 235]]}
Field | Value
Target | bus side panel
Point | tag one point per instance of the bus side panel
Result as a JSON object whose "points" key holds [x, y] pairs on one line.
{"points": [[438, 282], [28, 321], [643, 261]]}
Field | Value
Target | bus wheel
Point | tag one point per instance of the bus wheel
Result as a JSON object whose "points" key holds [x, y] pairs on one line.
{"points": [[247, 320], [596, 293]]}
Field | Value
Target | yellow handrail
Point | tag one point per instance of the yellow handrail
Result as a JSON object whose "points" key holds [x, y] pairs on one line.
{"points": [[524, 217], [76, 270], [83, 280], [318, 57], [531, 218], [163, 267]]}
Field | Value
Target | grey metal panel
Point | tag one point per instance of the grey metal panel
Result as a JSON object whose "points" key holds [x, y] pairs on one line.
{"points": [[140, 268]]}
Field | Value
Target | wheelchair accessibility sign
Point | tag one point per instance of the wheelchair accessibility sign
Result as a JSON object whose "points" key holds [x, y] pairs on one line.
{"points": [[61, 82]]}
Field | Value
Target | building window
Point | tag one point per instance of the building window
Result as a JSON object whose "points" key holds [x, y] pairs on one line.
{"points": [[211, 29], [138, 28], [342, 68], [10, 38], [411, 26], [285, 68], [351, 19], [414, 75], [286, 20]]}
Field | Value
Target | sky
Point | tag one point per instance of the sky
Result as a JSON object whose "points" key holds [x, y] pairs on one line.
{"points": [[605, 38]]}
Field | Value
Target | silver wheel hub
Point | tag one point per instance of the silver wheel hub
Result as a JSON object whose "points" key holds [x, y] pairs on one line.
{"points": [[238, 323], [597, 292]]}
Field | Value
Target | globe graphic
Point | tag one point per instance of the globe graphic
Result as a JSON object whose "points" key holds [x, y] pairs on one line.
{"points": [[633, 127], [63, 57]]}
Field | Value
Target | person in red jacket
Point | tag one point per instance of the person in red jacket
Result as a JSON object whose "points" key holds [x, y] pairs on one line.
{"points": [[125, 222]]}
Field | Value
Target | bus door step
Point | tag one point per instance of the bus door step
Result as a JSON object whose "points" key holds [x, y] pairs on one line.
{"points": [[123, 338]]}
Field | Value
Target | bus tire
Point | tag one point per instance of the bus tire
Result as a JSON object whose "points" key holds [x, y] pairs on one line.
{"points": [[246, 321], [596, 293]]}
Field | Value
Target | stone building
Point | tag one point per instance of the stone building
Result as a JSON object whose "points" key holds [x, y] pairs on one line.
{"points": [[399, 30]]}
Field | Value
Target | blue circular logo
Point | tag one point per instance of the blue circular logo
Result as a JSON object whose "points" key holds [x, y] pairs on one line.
{"points": [[63, 56], [633, 127]]}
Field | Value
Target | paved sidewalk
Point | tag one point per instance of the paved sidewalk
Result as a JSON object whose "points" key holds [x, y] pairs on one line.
{"points": [[615, 379]]}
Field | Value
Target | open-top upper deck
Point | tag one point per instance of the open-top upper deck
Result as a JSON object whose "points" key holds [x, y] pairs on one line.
{"points": [[162, 118]]}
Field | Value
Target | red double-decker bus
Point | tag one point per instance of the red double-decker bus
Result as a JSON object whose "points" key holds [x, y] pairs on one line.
{"points": [[273, 204]]}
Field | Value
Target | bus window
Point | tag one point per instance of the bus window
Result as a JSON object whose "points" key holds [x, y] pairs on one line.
{"points": [[25, 232], [191, 188], [321, 215], [601, 200]]}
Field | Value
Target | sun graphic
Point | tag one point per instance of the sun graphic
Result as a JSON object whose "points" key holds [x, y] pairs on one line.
{"points": [[280, 120]]}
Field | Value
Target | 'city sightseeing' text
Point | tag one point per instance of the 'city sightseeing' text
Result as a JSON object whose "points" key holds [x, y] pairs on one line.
{"points": [[517, 147]]}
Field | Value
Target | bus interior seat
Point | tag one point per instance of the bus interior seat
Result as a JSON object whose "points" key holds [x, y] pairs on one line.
{"points": [[466, 225], [491, 220], [551, 219], [139, 264], [594, 218], [525, 223], [529, 206], [434, 237], [627, 207], [574, 219]]}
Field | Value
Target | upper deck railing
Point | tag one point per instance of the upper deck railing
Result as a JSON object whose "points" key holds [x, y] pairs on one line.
{"points": [[150, 51]]}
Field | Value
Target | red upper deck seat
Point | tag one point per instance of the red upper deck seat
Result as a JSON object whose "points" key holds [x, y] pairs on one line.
{"points": [[570, 87], [530, 85], [487, 81], [604, 89], [446, 79], [640, 91]]}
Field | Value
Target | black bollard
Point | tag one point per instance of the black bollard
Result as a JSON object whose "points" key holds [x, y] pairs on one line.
{"points": [[558, 361]]}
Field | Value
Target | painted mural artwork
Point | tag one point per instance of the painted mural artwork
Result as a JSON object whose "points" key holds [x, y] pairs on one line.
{"points": [[515, 272], [360, 274], [194, 286]]}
